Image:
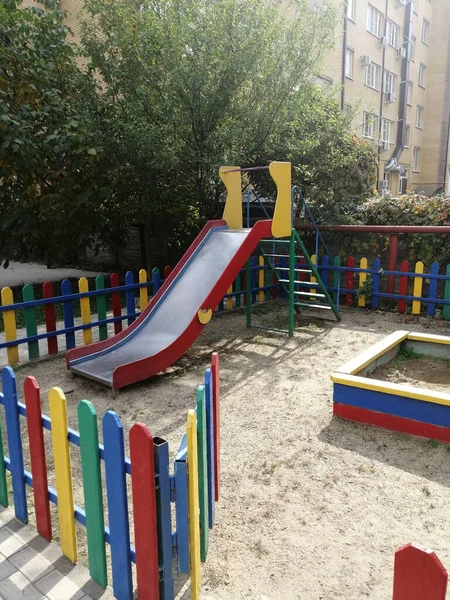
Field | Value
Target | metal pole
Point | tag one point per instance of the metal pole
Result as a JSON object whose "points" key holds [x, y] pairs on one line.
{"points": [[292, 284], [393, 251]]}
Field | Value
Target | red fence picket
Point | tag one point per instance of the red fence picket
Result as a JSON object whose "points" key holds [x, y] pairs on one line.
{"points": [[418, 575], [404, 267]]}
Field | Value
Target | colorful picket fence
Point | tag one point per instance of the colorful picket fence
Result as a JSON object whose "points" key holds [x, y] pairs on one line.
{"points": [[193, 487], [416, 289], [418, 575]]}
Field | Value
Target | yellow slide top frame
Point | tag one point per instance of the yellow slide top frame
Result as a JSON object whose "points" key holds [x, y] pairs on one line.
{"points": [[281, 173]]}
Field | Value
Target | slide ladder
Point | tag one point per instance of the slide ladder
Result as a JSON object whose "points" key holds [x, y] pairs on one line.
{"points": [[297, 275]]}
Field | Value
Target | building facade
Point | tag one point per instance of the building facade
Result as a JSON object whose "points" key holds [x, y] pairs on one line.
{"points": [[391, 66]]}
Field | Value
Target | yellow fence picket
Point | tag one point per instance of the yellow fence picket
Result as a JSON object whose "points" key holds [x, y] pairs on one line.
{"points": [[63, 472], [193, 504], [85, 308], [261, 295], [9, 321], [418, 284], [362, 281], [143, 291]]}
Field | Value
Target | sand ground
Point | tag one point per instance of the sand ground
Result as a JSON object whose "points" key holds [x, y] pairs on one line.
{"points": [[312, 507]]}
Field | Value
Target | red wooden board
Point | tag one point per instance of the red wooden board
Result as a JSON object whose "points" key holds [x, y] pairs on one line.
{"points": [[37, 457], [144, 509], [50, 318], [370, 417], [418, 575]]}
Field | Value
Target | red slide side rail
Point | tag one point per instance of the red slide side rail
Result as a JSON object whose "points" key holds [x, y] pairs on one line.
{"points": [[97, 347], [147, 367]]}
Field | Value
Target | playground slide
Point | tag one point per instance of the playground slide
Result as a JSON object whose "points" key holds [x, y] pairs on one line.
{"points": [[177, 314]]}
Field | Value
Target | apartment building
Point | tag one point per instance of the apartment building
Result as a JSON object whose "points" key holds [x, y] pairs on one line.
{"points": [[391, 66]]}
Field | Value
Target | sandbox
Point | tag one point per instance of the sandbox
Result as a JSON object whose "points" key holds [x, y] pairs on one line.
{"points": [[399, 407]]}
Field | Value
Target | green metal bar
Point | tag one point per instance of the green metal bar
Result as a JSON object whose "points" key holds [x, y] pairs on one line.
{"points": [[291, 285], [315, 272], [248, 292]]}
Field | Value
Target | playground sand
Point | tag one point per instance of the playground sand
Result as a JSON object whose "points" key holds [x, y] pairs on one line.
{"points": [[431, 373], [311, 507]]}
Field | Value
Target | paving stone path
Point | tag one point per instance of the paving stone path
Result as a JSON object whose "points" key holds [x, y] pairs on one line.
{"points": [[34, 569]]}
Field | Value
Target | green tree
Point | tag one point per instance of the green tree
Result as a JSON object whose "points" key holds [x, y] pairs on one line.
{"points": [[191, 85], [54, 200]]}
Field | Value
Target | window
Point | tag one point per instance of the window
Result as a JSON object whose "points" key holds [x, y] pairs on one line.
{"points": [[374, 20], [422, 75], [351, 8], [426, 32], [349, 58], [403, 182], [412, 48], [416, 160], [387, 133], [409, 90], [419, 117], [348, 110], [372, 76], [390, 83], [415, 4], [406, 136], [392, 33], [370, 125]]}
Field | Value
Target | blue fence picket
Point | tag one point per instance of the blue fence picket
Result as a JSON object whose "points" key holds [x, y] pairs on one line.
{"points": [[376, 283], [181, 508], [156, 280], [14, 443], [163, 516], [116, 489], [129, 297], [432, 289], [210, 446], [66, 290]]}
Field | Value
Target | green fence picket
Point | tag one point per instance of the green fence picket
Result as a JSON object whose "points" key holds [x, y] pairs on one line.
{"points": [[101, 307], [202, 472], [30, 320], [93, 497], [446, 311]]}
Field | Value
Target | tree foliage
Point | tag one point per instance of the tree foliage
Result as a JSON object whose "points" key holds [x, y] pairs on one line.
{"points": [[413, 209], [53, 198], [167, 92], [191, 85]]}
